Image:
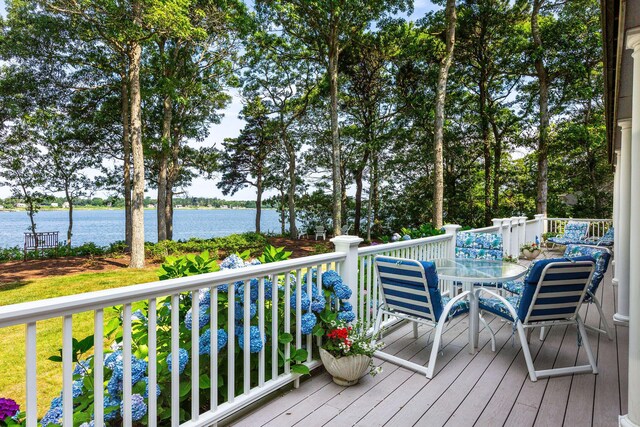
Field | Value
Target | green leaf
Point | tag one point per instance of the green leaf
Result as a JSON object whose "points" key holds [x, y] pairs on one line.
{"points": [[300, 369], [300, 355], [185, 388], [205, 381], [285, 338]]}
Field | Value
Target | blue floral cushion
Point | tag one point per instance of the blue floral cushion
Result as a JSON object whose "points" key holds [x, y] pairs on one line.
{"points": [[607, 239], [602, 257], [497, 307], [460, 306], [474, 253], [576, 230], [565, 241], [515, 287], [491, 241]]}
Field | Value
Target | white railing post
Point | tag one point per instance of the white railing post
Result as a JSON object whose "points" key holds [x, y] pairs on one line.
{"points": [[540, 224], [506, 235], [497, 222], [452, 230], [349, 267], [522, 229], [515, 235]]}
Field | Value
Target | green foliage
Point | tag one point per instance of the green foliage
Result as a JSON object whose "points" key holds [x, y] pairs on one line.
{"points": [[188, 265], [273, 254], [424, 230]]}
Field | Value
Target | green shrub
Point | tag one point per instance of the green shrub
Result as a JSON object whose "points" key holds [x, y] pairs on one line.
{"points": [[188, 265]]}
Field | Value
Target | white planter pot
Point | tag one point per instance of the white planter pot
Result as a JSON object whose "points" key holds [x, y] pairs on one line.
{"points": [[347, 370], [530, 254]]}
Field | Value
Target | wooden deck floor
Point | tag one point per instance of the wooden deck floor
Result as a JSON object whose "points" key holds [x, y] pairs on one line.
{"points": [[485, 389]]}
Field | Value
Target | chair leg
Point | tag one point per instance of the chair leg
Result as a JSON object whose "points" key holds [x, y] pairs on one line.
{"points": [[376, 327], [603, 318], [542, 333], [586, 345], [526, 352], [415, 330], [493, 335], [435, 348]]}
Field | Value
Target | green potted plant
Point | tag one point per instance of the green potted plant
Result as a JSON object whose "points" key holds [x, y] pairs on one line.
{"points": [[530, 250]]}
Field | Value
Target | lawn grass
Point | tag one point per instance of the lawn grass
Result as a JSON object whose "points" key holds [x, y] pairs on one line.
{"points": [[49, 333]]}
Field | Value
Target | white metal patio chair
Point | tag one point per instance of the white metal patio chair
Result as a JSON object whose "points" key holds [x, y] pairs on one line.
{"points": [[410, 292], [553, 292], [344, 230], [321, 232]]}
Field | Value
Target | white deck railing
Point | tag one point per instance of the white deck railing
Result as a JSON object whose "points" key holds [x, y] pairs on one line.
{"points": [[174, 292], [597, 227], [260, 374]]}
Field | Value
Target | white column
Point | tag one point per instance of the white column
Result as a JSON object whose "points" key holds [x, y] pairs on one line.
{"points": [[349, 268], [633, 416], [624, 218], [616, 214]]}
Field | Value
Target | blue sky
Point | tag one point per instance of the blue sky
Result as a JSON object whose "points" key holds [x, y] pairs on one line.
{"points": [[231, 125]]}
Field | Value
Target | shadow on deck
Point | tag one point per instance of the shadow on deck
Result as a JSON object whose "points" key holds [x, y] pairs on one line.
{"points": [[485, 389]]}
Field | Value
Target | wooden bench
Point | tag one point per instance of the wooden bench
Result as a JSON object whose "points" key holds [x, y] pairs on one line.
{"points": [[40, 242]]}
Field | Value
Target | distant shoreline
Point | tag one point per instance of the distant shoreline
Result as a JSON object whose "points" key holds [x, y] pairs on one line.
{"points": [[100, 208]]}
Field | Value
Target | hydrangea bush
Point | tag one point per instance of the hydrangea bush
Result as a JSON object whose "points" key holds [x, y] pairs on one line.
{"points": [[328, 296]]}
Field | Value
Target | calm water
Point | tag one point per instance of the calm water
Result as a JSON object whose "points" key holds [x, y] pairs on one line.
{"points": [[106, 226]]}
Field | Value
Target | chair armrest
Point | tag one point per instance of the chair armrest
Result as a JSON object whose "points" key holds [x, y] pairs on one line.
{"points": [[452, 301]]}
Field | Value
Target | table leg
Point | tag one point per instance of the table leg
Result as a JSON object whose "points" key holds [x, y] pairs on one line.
{"points": [[473, 321]]}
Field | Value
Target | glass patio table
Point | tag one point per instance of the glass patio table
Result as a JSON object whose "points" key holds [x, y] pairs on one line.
{"points": [[473, 274]]}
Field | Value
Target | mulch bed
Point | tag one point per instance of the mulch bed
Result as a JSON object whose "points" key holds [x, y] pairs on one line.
{"points": [[18, 271]]}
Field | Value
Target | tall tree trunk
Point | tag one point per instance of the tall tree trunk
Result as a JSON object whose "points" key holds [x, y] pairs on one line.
{"points": [[137, 206], [293, 232], [258, 201], [486, 144], [69, 200], [163, 166], [168, 211], [335, 136], [126, 146], [359, 175], [441, 92], [497, 161], [375, 193], [283, 203], [543, 103], [369, 205]]}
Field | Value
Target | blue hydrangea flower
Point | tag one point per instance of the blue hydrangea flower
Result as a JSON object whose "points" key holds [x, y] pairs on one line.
{"points": [[205, 341], [76, 388], [255, 261], [53, 416], [56, 401], [183, 359], [406, 237], [223, 288], [89, 424], [112, 359], [330, 279], [308, 321], [138, 370], [342, 291], [231, 262], [138, 407], [239, 311], [346, 306], [81, 368], [304, 301], [268, 289], [139, 316], [205, 296], [111, 402], [255, 340], [347, 316], [318, 303], [203, 315], [145, 380], [253, 291]]}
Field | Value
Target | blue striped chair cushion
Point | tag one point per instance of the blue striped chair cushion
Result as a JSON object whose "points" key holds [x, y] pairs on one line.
{"points": [[546, 296], [404, 289]]}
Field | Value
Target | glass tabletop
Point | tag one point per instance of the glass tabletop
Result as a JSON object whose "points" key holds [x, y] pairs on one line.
{"points": [[478, 270]]}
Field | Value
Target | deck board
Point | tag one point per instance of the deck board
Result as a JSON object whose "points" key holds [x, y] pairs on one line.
{"points": [[484, 389]]}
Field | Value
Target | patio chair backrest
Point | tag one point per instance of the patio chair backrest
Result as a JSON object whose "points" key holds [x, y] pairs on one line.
{"points": [[607, 238], [409, 287], [554, 289], [602, 256], [479, 245], [576, 230], [320, 229]]}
